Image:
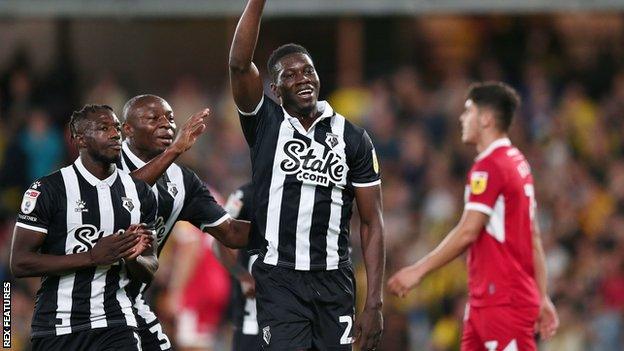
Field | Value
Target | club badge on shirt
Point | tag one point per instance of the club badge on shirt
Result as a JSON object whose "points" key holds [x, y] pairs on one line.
{"points": [[478, 182]]}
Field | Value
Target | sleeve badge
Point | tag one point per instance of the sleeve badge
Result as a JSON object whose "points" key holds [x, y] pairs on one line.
{"points": [[478, 182], [29, 201]]}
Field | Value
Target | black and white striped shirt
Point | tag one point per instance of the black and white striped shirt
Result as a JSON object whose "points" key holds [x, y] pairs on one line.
{"points": [[74, 209], [181, 196], [304, 184]]}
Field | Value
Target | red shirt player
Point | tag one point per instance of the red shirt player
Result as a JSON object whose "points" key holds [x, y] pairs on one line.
{"points": [[506, 269]]}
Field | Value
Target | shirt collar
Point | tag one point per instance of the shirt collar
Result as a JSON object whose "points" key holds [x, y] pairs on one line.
{"points": [[325, 109], [493, 146], [138, 163], [93, 180]]}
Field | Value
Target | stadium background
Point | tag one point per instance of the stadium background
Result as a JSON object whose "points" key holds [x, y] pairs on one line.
{"points": [[399, 68]]}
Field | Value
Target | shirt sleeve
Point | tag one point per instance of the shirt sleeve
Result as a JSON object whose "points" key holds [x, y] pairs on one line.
{"points": [[253, 122], [36, 210], [201, 209], [485, 184], [365, 168]]}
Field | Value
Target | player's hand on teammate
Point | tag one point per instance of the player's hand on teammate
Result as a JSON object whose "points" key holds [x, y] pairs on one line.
{"points": [[403, 281], [548, 321], [192, 129], [369, 328], [111, 248], [145, 242], [248, 284]]}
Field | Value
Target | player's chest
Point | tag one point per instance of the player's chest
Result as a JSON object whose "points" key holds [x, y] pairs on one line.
{"points": [[316, 157]]}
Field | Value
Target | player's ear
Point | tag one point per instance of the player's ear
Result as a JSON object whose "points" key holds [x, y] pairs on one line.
{"points": [[127, 130], [275, 90], [79, 140]]}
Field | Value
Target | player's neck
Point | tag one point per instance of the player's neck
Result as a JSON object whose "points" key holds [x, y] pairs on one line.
{"points": [[143, 155], [305, 118], [100, 169], [487, 139]]}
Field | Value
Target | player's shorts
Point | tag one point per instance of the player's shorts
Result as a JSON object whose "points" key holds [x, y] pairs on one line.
{"points": [[499, 328], [120, 338], [244, 342], [304, 309], [153, 338]]}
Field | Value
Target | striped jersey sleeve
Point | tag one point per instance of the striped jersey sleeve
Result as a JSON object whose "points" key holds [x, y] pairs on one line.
{"points": [[36, 209]]}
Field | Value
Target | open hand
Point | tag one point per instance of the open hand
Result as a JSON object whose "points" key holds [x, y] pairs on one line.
{"points": [[192, 129]]}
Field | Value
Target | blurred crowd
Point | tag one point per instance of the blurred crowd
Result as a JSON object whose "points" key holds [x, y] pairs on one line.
{"points": [[570, 127]]}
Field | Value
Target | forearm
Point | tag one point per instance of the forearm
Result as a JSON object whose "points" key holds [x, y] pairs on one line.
{"points": [[157, 166], [453, 245], [28, 264], [374, 251], [246, 36], [233, 233], [228, 258], [143, 268]]}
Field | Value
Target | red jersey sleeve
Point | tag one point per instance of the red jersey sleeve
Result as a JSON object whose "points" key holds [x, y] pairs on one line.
{"points": [[485, 184]]}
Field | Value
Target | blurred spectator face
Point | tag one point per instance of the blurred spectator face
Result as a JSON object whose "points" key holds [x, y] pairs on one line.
{"points": [[152, 126], [297, 84], [470, 123]]}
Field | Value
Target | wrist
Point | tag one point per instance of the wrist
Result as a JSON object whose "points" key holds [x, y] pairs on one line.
{"points": [[175, 149], [91, 259], [373, 304]]}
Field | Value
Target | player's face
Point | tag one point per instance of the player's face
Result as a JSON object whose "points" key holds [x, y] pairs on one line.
{"points": [[154, 128], [297, 83], [102, 137], [470, 123]]}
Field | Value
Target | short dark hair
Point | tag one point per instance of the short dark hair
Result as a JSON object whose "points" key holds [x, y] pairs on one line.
{"points": [[500, 97], [82, 114], [282, 51]]}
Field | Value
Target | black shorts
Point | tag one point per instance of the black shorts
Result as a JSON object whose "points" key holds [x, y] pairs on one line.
{"points": [[304, 309], [120, 338], [244, 342], [153, 338]]}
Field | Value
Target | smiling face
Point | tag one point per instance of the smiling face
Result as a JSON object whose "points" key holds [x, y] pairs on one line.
{"points": [[100, 136], [470, 123], [150, 126], [297, 83]]}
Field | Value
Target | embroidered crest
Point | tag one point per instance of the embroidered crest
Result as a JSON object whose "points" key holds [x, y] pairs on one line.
{"points": [[331, 140], [29, 201], [126, 202], [172, 188]]}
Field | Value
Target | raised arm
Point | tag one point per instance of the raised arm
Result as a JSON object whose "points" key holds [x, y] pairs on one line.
{"points": [[369, 325], [192, 129], [27, 261], [244, 75]]}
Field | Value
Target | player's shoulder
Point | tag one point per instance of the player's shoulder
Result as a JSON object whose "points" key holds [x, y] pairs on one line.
{"points": [[353, 133], [52, 182]]}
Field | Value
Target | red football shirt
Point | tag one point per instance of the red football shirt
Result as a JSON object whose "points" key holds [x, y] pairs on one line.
{"points": [[500, 261]]}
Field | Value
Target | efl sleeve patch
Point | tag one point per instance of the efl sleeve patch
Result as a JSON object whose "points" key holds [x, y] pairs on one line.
{"points": [[29, 201], [478, 182]]}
